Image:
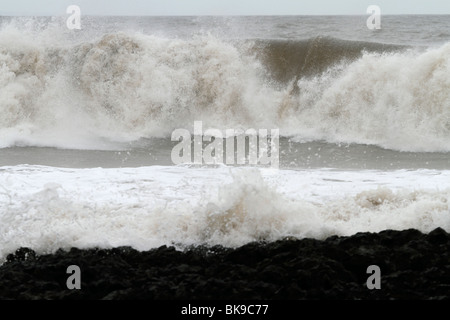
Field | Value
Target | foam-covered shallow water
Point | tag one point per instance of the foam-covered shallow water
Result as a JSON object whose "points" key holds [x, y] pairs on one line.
{"points": [[46, 208]]}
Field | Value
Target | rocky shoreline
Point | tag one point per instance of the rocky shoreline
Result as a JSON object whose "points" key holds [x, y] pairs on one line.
{"points": [[413, 265]]}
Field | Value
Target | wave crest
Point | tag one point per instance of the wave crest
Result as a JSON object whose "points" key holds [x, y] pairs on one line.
{"points": [[123, 87]]}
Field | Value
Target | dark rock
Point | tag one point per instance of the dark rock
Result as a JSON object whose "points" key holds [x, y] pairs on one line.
{"points": [[438, 236], [249, 254], [21, 254], [413, 266], [273, 273]]}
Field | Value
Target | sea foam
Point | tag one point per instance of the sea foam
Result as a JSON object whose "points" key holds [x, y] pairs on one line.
{"points": [[47, 208], [123, 86]]}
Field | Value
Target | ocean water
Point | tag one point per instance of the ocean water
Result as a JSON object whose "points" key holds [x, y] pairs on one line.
{"points": [[86, 118]]}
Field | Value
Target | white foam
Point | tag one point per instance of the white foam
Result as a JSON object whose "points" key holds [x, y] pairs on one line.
{"points": [[47, 208], [398, 101], [124, 86]]}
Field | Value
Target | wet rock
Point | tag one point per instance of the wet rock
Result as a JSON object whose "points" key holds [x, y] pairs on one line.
{"points": [[413, 266], [438, 236]]}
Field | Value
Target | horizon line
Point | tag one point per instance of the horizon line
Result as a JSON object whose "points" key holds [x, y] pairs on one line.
{"points": [[224, 15]]}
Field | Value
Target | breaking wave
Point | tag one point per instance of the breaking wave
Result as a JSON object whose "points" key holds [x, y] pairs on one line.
{"points": [[124, 86]]}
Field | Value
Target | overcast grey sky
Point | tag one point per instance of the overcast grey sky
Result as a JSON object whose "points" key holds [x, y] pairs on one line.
{"points": [[222, 7]]}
